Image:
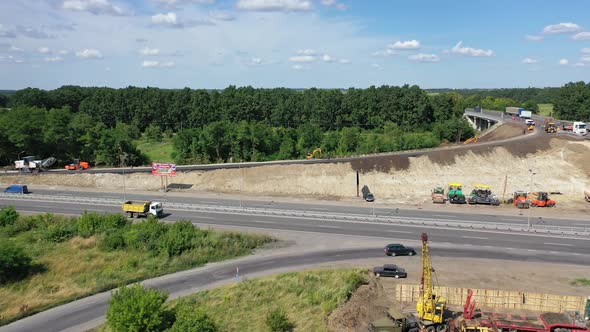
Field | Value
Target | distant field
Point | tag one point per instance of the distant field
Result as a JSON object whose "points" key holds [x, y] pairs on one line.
{"points": [[158, 152], [545, 109]]}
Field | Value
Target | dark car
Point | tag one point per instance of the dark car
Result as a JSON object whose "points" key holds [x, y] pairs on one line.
{"points": [[390, 270], [396, 249], [370, 197], [16, 189]]}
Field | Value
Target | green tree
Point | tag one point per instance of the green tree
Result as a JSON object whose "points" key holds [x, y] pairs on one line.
{"points": [[15, 263], [8, 216], [136, 309], [189, 320], [349, 140], [278, 321], [153, 133]]}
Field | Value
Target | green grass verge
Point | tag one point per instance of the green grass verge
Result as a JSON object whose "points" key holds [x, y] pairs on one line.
{"points": [[581, 282], [545, 109], [158, 152], [307, 298], [77, 267]]}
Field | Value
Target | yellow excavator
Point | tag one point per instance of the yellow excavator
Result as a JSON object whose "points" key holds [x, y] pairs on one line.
{"points": [[431, 308], [314, 153]]}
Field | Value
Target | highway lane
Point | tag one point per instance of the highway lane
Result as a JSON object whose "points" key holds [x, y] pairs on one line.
{"points": [[518, 216], [520, 246]]}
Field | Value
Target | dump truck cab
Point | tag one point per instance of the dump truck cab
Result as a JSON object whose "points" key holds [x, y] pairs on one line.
{"points": [[394, 321]]}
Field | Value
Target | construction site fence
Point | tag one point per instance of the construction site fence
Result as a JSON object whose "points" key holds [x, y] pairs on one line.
{"points": [[498, 299]]}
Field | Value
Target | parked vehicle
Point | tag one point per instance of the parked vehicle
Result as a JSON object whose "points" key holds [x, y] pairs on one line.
{"points": [[367, 195], [542, 199], [579, 128], [482, 194], [455, 195], [315, 153], [17, 189], [396, 249], [142, 209], [438, 195], [519, 199], [32, 164], [78, 165], [395, 321], [550, 128], [390, 270]]}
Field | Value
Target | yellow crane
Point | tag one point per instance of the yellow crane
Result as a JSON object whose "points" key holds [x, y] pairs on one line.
{"points": [[431, 308], [315, 152]]}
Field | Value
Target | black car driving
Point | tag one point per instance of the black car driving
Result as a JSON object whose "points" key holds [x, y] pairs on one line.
{"points": [[396, 249], [390, 270]]}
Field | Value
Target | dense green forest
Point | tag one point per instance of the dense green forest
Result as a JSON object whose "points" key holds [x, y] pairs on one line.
{"points": [[102, 125]]}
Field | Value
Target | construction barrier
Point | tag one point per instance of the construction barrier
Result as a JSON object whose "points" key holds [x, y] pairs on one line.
{"points": [[493, 298]]}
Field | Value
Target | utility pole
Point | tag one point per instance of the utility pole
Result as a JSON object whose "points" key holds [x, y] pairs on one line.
{"points": [[241, 180], [530, 193]]}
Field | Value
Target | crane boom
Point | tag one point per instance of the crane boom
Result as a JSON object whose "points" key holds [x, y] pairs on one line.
{"points": [[426, 280], [431, 308]]}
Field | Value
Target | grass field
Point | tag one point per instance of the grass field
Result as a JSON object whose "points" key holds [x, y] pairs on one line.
{"points": [[158, 152], [545, 109], [78, 267], [307, 298]]}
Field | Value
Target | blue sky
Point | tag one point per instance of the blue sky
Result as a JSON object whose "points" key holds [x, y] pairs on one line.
{"points": [[293, 43]]}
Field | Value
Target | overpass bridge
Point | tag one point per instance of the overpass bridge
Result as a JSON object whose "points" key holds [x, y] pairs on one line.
{"points": [[481, 119]]}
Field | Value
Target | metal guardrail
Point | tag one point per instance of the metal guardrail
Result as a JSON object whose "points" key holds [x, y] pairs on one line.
{"points": [[565, 231]]}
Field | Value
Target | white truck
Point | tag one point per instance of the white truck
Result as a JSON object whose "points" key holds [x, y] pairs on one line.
{"points": [[32, 164], [526, 114], [579, 128]]}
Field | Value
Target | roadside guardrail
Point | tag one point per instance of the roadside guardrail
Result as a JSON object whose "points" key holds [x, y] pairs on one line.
{"points": [[562, 231]]}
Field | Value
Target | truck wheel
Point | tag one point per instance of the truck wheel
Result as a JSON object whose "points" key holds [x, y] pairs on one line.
{"points": [[396, 276], [430, 329], [136, 215], [393, 254], [377, 275], [441, 328], [411, 253], [129, 215]]}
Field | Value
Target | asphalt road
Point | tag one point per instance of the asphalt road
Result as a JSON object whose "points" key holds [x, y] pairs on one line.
{"points": [[456, 215], [89, 312]]}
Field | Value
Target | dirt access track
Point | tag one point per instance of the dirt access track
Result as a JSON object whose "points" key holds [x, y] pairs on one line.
{"points": [[561, 164]]}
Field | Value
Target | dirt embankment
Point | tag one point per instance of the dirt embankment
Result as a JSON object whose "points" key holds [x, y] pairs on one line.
{"points": [[560, 165]]}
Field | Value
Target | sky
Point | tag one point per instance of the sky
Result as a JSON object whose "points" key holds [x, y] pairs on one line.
{"points": [[293, 43]]}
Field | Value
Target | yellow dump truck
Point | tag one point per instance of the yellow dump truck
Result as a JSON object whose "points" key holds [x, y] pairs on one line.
{"points": [[134, 209]]}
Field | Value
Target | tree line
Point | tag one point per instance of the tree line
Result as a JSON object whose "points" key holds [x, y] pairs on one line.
{"points": [[248, 124]]}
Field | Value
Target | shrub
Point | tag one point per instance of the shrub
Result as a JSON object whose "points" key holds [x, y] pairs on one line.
{"points": [[60, 230], [145, 235], [14, 262], [277, 321], [136, 308], [113, 240], [8, 216], [178, 238], [92, 223], [188, 320]]}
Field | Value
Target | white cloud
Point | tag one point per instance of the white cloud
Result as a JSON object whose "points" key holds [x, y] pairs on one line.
{"points": [[149, 51], [44, 50], [421, 57], [534, 38], [96, 7], [585, 35], [89, 54], [54, 59], [256, 61], [328, 2], [297, 67], [174, 3], [579, 64], [528, 61], [151, 64], [302, 58], [344, 61], [405, 45], [221, 16], [469, 51], [7, 33], [64, 52], [386, 52], [585, 50], [307, 52], [561, 28], [16, 49], [32, 32], [334, 3], [274, 5], [376, 66], [585, 59], [327, 58], [563, 62], [169, 18]]}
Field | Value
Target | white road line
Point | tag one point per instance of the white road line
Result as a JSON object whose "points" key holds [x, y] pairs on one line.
{"points": [[475, 237], [532, 250], [444, 215], [577, 254], [583, 225], [326, 226], [554, 252], [467, 244], [511, 219], [558, 244], [509, 248], [265, 222], [405, 232]]}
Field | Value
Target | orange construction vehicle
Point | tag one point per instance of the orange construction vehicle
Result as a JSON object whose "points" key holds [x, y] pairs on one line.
{"points": [[78, 165], [542, 199], [519, 199]]}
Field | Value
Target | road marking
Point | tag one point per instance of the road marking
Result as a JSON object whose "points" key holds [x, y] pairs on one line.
{"points": [[554, 252], [326, 226], [467, 244], [583, 225], [475, 237], [577, 254], [511, 219], [405, 232], [532, 250], [444, 215], [558, 244], [265, 222]]}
